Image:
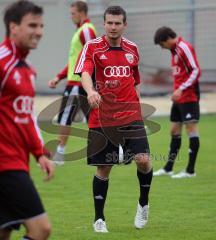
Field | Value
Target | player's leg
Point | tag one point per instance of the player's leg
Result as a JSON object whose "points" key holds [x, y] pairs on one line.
{"points": [[192, 131], [175, 142], [103, 154], [19, 200], [37, 228], [144, 175], [136, 146], [5, 234], [9, 219], [37, 224], [190, 115], [100, 187], [67, 113], [64, 133]]}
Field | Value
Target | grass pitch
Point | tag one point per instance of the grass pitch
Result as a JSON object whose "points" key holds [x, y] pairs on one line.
{"points": [[179, 209]]}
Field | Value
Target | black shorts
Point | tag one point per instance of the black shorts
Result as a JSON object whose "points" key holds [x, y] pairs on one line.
{"points": [[185, 112], [19, 199], [103, 143], [70, 104]]}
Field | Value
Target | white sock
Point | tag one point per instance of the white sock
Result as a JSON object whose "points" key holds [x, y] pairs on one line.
{"points": [[60, 149]]}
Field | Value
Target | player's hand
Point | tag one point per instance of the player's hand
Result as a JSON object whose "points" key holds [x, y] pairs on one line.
{"points": [[47, 167], [94, 99], [52, 83], [176, 95]]}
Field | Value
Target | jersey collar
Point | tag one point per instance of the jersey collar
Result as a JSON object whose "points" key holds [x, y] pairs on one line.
{"points": [[17, 51], [179, 39], [104, 38], [87, 20]]}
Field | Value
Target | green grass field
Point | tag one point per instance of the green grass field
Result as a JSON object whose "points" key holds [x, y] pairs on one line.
{"points": [[179, 209]]}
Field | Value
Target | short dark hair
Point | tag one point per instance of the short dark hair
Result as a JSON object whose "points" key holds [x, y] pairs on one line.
{"points": [[163, 34], [81, 6], [16, 11], [115, 10]]}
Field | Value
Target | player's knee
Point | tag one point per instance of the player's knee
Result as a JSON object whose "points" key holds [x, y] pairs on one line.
{"points": [[45, 231], [143, 161], [41, 231], [175, 131], [191, 130], [103, 171]]}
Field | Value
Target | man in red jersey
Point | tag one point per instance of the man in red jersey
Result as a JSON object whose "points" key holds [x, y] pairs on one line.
{"points": [[19, 133], [185, 108], [74, 95], [110, 76]]}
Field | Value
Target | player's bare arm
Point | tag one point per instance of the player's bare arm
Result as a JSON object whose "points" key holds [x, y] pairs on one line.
{"points": [[53, 82], [94, 97], [176, 95], [47, 166]]}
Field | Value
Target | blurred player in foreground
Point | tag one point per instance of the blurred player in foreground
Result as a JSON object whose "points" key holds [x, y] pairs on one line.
{"points": [[19, 133]]}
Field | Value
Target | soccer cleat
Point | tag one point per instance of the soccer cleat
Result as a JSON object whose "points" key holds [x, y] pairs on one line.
{"points": [[141, 217], [58, 159], [100, 226], [161, 172], [184, 174]]}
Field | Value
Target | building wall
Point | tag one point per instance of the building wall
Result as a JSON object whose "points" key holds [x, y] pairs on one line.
{"points": [[144, 17]]}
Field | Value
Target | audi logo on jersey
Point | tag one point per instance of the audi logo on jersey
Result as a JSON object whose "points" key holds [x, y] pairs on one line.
{"points": [[117, 71], [23, 104]]}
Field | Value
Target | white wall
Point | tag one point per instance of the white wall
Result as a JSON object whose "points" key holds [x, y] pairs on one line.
{"points": [[143, 19]]}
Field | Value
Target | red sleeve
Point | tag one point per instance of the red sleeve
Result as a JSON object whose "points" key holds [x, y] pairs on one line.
{"points": [[86, 35], [2, 72], [1, 76], [85, 62], [136, 75], [185, 58], [189, 59], [63, 73], [37, 145]]}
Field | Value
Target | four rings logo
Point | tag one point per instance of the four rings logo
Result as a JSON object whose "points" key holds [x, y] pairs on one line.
{"points": [[23, 104], [117, 71]]}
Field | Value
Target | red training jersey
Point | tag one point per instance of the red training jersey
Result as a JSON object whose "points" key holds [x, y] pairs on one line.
{"points": [[186, 71], [115, 73], [19, 133]]}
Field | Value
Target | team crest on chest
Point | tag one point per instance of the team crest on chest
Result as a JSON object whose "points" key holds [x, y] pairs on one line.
{"points": [[129, 57]]}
